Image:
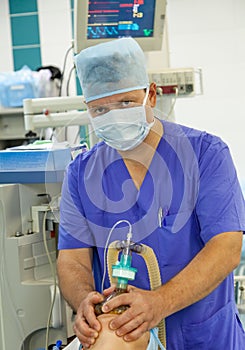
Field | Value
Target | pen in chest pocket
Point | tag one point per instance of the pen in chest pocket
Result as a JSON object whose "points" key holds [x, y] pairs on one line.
{"points": [[162, 213]]}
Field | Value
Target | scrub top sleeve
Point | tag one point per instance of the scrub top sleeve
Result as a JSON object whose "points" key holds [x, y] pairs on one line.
{"points": [[73, 228], [220, 204]]}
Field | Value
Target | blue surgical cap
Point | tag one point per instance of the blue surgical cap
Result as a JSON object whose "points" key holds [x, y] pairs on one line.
{"points": [[111, 68]]}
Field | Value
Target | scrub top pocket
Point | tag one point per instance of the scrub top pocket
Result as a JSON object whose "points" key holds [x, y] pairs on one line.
{"points": [[220, 332], [176, 222], [178, 248]]}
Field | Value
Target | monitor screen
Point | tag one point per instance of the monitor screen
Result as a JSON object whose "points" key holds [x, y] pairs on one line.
{"points": [[102, 20]]}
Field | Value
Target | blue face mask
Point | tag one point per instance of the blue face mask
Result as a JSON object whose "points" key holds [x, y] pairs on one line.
{"points": [[123, 129]]}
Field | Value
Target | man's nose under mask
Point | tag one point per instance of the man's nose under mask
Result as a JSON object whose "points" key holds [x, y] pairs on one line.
{"points": [[122, 129]]}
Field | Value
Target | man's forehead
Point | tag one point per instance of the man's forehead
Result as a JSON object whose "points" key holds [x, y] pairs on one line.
{"points": [[130, 95]]}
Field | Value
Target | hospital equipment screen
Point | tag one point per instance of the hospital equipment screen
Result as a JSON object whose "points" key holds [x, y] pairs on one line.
{"points": [[98, 21]]}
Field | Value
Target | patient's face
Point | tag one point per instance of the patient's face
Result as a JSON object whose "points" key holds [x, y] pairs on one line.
{"points": [[108, 340]]}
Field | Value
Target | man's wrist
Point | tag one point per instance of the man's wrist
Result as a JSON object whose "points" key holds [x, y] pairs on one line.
{"points": [[165, 301]]}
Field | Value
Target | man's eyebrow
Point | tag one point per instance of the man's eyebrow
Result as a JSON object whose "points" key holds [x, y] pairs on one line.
{"points": [[129, 97], [122, 99]]}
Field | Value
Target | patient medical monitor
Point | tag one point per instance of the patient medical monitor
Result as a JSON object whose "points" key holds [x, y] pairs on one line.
{"points": [[97, 21]]}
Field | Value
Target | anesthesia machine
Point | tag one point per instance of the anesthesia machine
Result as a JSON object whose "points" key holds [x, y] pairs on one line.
{"points": [[32, 311]]}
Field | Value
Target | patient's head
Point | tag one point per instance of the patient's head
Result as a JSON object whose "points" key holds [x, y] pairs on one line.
{"points": [[108, 340]]}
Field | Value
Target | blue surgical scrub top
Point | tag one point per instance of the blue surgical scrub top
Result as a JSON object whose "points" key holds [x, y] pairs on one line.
{"points": [[189, 195]]}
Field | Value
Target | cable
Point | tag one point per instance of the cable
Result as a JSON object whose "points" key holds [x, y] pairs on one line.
{"points": [[54, 208], [53, 271], [107, 243], [63, 70], [155, 335], [41, 134], [174, 101], [52, 134], [68, 80], [53, 275], [77, 137]]}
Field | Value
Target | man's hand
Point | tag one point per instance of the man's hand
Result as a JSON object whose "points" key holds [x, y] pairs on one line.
{"points": [[86, 324], [143, 314]]}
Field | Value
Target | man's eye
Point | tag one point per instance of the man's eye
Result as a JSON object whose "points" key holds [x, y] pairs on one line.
{"points": [[99, 110], [126, 104]]}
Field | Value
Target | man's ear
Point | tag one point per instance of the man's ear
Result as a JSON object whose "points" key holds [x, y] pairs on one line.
{"points": [[152, 97]]}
